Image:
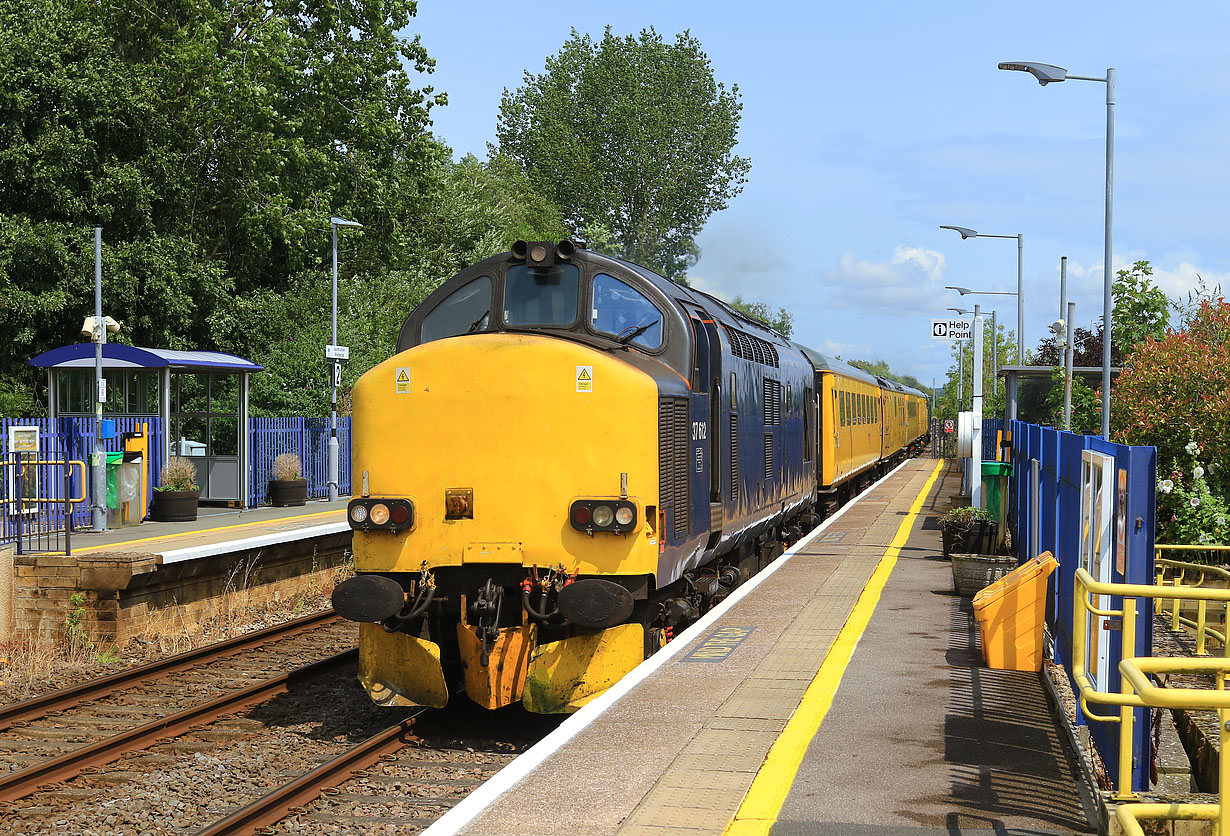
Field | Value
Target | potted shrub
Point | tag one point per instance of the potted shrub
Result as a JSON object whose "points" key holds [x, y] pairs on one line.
{"points": [[968, 530], [287, 487], [175, 498]]}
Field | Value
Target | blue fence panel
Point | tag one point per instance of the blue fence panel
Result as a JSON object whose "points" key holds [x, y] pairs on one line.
{"points": [[1058, 503], [990, 428], [308, 438], [73, 439]]}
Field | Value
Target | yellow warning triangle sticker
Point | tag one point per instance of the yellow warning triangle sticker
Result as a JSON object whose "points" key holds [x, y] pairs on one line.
{"points": [[402, 376], [584, 375]]}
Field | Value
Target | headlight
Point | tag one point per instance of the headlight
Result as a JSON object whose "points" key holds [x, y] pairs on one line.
{"points": [[358, 513], [624, 515], [392, 515], [603, 515], [613, 516], [379, 514]]}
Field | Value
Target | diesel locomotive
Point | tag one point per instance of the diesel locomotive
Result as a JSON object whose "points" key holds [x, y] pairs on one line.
{"points": [[569, 459]]}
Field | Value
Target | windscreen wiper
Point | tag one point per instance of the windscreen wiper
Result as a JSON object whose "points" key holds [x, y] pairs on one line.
{"points": [[635, 332]]}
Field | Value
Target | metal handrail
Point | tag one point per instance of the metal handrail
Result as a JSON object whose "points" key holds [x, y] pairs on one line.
{"points": [[1201, 573], [1137, 691], [74, 500]]}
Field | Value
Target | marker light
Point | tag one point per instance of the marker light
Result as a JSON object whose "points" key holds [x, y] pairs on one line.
{"points": [[358, 513], [581, 515], [379, 513], [399, 514], [603, 516], [624, 515]]}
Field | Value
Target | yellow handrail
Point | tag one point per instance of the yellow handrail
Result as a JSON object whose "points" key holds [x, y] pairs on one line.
{"points": [[75, 500], [1138, 691], [1178, 571]]}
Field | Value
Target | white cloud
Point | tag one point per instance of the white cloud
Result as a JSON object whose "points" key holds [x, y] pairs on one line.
{"points": [[1183, 279], [930, 261], [907, 283]]}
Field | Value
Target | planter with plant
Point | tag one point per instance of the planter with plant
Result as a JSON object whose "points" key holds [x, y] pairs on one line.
{"points": [[287, 487], [175, 498], [968, 530]]}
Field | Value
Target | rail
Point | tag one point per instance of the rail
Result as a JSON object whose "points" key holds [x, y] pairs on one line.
{"points": [[73, 500], [1171, 572], [1137, 691]]}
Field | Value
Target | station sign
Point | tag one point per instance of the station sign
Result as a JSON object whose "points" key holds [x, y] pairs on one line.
{"points": [[947, 330], [337, 352], [23, 439]]}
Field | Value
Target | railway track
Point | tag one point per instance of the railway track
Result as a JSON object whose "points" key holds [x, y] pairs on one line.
{"points": [[176, 747]]}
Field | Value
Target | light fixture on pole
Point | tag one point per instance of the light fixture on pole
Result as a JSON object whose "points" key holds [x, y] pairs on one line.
{"points": [[965, 232], [1047, 73], [335, 371]]}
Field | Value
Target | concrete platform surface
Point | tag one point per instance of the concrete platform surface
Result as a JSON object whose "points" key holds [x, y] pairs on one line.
{"points": [[217, 530], [920, 738]]}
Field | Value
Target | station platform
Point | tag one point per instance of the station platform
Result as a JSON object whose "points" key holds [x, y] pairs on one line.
{"points": [[840, 691], [218, 531]]}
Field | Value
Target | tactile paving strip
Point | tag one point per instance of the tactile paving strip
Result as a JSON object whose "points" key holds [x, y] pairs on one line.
{"points": [[701, 790]]}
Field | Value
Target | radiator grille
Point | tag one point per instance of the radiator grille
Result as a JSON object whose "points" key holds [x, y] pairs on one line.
{"points": [[734, 457], [768, 456], [772, 402], [674, 429], [750, 347]]}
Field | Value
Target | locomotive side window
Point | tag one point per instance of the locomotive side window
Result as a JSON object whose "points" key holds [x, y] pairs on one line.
{"points": [[620, 310], [466, 310], [541, 295]]}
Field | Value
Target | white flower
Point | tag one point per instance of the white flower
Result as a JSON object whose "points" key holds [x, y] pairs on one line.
{"points": [[1221, 520], [1192, 448], [1197, 471], [1204, 538], [1165, 486], [1195, 501]]}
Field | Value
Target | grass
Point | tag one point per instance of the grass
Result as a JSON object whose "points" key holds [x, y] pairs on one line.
{"points": [[34, 664]]}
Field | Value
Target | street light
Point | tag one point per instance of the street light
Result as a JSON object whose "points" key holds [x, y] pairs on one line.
{"points": [[335, 223], [966, 232], [1047, 73]]}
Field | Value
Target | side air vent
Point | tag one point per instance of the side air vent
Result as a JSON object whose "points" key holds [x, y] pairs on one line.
{"points": [[749, 347], [674, 429], [734, 457], [768, 457], [772, 402]]}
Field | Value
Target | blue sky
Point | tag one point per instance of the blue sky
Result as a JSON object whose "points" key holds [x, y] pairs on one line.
{"points": [[870, 124]]}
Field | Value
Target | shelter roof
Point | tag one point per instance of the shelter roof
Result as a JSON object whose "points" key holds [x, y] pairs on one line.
{"points": [[117, 355]]}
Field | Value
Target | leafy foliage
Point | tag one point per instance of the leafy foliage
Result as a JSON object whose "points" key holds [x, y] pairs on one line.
{"points": [[1086, 405], [1141, 309], [880, 368], [1188, 511], [1176, 391], [1003, 342], [782, 322], [631, 136]]}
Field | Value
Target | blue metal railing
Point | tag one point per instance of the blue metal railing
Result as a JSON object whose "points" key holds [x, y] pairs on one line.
{"points": [[308, 438]]}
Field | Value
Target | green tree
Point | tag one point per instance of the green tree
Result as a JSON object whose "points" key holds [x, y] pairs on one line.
{"points": [[880, 368], [212, 140], [1003, 342], [782, 322], [631, 135], [1141, 308]]}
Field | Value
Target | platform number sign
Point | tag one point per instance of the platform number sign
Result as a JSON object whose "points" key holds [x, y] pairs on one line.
{"points": [[948, 330], [337, 374]]}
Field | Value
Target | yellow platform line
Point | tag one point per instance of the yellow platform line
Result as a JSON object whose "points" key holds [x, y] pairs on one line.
{"points": [[114, 546], [763, 802]]}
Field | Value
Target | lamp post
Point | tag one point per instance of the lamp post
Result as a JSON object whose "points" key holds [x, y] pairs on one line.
{"points": [[1047, 73], [98, 462], [1010, 399], [335, 371]]}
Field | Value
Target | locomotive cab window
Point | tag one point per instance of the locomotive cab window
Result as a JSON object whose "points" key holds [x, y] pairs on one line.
{"points": [[541, 295], [466, 310], [621, 311]]}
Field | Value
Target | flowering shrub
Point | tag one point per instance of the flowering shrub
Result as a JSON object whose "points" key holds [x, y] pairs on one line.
{"points": [[1176, 389], [1188, 512]]}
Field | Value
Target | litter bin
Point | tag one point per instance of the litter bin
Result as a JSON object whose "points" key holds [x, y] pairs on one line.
{"points": [[1011, 614], [123, 491], [995, 492]]}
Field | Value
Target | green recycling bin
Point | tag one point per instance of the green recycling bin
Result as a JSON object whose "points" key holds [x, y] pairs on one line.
{"points": [[114, 460], [995, 492]]}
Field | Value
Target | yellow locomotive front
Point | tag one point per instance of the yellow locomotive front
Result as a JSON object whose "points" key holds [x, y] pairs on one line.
{"points": [[506, 524]]}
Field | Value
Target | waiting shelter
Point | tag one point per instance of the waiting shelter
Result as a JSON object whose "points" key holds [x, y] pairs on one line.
{"points": [[200, 396]]}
